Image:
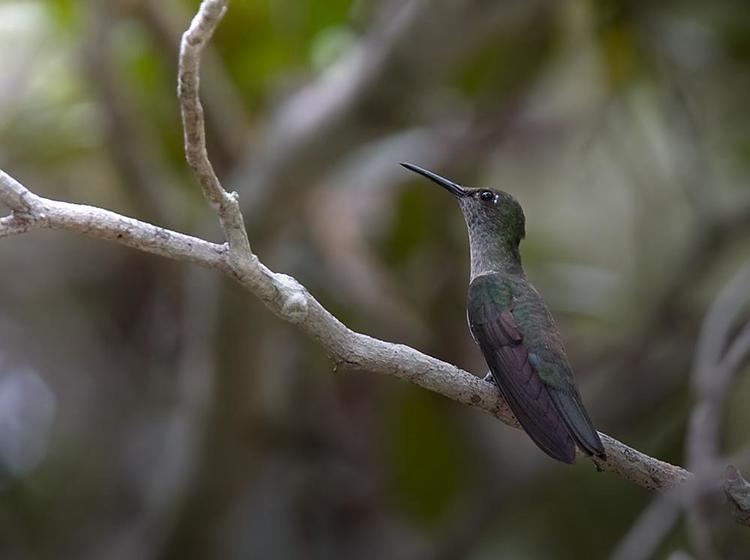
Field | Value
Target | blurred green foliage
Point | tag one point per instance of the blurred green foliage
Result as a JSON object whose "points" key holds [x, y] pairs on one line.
{"points": [[190, 424]]}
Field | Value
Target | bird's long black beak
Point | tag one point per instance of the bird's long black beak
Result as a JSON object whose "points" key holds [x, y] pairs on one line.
{"points": [[457, 190]]}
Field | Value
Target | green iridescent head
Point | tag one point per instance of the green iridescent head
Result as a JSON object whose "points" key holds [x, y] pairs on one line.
{"points": [[492, 216]]}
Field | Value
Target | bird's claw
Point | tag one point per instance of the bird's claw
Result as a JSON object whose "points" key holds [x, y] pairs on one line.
{"points": [[489, 378]]}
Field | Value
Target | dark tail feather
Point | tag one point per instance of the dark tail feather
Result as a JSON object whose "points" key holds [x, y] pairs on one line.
{"points": [[547, 430], [578, 422], [562, 448]]}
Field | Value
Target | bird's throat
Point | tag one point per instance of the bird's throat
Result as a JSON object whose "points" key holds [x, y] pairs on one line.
{"points": [[490, 254]]}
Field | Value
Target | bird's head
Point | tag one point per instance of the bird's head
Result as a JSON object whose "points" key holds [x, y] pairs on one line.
{"points": [[491, 215]]}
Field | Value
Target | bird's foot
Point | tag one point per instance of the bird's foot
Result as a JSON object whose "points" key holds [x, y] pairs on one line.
{"points": [[489, 378]]}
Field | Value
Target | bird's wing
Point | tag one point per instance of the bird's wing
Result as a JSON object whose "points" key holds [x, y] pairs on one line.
{"points": [[555, 373], [545, 401]]}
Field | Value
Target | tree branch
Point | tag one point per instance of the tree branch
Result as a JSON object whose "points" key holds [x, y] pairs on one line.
{"points": [[282, 294], [188, 79], [289, 300], [737, 490], [31, 212]]}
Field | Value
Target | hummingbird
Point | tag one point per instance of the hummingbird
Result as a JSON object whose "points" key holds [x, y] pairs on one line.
{"points": [[513, 328]]}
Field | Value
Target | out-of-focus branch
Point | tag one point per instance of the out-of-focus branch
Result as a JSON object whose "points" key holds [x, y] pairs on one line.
{"points": [[712, 378], [659, 518], [282, 294], [180, 456], [650, 529], [130, 146], [368, 91], [716, 363], [715, 227]]}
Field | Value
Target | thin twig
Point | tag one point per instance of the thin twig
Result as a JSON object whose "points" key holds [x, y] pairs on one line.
{"points": [[650, 529], [193, 41], [737, 490]]}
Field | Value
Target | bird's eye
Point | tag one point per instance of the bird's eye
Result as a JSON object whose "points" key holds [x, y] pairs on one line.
{"points": [[487, 196]]}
